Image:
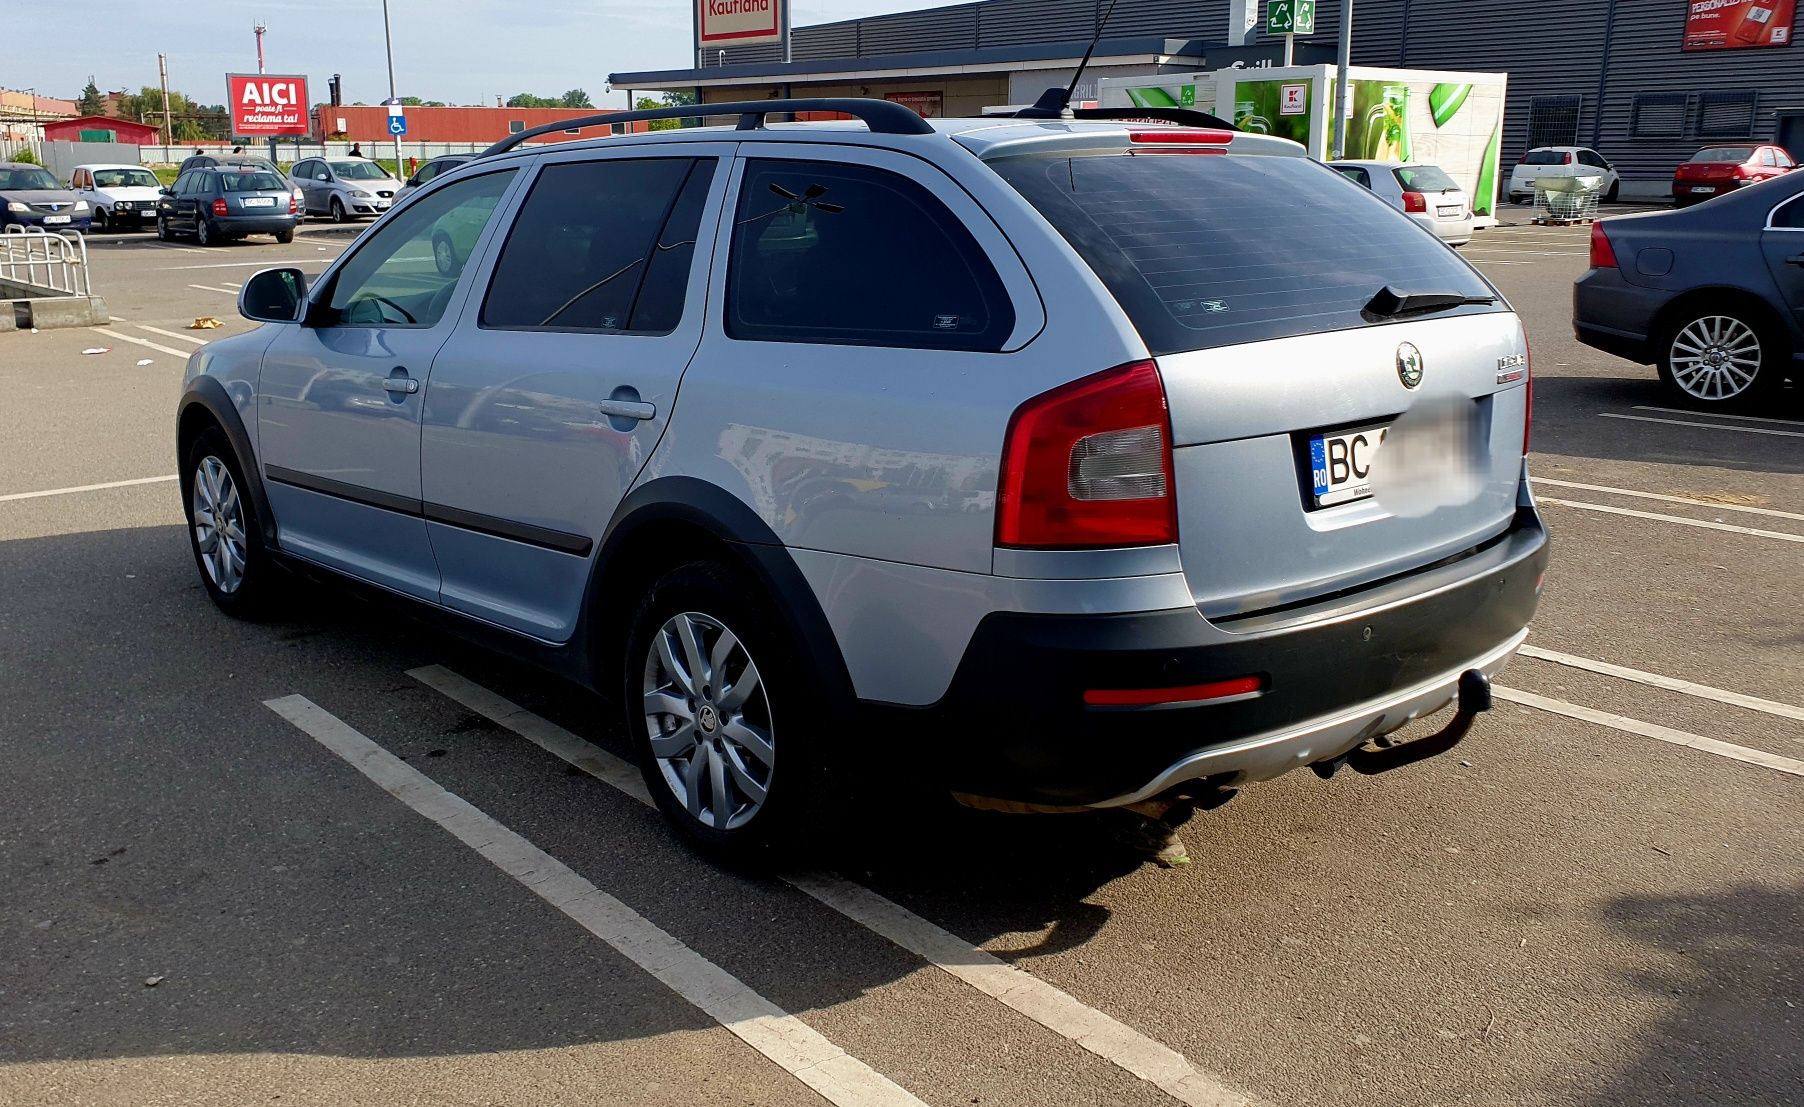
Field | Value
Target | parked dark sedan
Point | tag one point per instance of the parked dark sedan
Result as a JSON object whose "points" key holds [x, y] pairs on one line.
{"points": [[31, 197], [1711, 295], [214, 205]]}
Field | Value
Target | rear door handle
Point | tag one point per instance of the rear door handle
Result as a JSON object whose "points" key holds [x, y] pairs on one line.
{"points": [[1795, 259], [628, 409]]}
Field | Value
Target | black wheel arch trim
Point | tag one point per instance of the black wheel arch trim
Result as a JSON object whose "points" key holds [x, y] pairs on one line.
{"points": [[209, 394]]}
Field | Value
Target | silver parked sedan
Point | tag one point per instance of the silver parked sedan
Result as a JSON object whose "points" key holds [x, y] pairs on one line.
{"points": [[1423, 192], [343, 187]]}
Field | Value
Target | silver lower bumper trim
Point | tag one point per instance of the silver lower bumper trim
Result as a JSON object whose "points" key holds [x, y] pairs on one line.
{"points": [[1322, 739]]}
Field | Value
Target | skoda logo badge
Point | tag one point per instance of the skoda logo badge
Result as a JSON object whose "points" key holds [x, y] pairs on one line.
{"points": [[1409, 365]]}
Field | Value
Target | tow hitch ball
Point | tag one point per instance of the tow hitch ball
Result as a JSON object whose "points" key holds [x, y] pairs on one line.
{"points": [[1474, 698]]}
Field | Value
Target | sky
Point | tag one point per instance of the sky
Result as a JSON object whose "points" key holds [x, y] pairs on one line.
{"points": [[460, 51]]}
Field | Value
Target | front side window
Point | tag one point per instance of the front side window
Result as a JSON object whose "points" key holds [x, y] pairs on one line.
{"points": [[858, 256], [395, 278], [583, 245]]}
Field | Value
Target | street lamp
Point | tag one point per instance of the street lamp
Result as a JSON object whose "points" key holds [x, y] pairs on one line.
{"points": [[388, 44]]}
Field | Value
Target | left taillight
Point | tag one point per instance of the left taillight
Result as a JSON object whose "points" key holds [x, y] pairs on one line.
{"points": [[294, 204], [1603, 255], [1415, 202], [1089, 465], [219, 206], [1528, 396]]}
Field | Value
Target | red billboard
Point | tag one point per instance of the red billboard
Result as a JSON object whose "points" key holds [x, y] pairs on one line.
{"points": [[738, 22], [1737, 24], [266, 104]]}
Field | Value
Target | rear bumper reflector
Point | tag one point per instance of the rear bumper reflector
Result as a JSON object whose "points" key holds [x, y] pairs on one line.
{"points": [[1235, 689]]}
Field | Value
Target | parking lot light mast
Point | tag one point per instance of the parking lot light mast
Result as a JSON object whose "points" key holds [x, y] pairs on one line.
{"points": [[1343, 92], [388, 44]]}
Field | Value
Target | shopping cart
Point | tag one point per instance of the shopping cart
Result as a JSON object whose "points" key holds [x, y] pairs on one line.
{"points": [[1562, 201]]}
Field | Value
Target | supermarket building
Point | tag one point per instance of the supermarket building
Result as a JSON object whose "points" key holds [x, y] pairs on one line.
{"points": [[1645, 82]]}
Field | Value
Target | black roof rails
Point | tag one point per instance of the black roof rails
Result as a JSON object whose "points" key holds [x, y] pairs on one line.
{"points": [[881, 116]]}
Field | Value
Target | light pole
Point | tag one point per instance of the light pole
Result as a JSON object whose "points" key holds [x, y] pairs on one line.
{"points": [[1343, 91], [388, 43]]}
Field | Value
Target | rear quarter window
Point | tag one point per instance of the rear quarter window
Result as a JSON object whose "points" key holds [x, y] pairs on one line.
{"points": [[1204, 251]]}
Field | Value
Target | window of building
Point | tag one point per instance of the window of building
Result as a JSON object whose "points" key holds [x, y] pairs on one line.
{"points": [[515, 126], [857, 256], [1554, 120], [1728, 113], [1658, 114]]}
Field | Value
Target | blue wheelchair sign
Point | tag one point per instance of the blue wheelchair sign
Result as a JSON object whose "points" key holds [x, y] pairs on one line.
{"points": [[397, 124]]}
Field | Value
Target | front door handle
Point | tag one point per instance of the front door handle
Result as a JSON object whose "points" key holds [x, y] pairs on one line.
{"points": [[398, 382], [628, 409], [1795, 259]]}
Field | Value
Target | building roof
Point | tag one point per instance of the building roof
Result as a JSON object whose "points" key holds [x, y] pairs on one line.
{"points": [[132, 129]]}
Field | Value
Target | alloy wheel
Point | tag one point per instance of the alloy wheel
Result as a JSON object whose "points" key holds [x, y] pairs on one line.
{"points": [[444, 256], [709, 721], [219, 533], [1716, 357]]}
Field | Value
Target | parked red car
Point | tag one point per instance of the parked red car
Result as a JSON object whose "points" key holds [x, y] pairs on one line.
{"points": [[1718, 169]]}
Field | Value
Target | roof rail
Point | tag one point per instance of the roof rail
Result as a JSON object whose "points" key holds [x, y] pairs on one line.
{"points": [[881, 116]]}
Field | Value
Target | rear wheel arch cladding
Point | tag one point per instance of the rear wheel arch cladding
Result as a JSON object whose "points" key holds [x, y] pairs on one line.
{"points": [[207, 404]]}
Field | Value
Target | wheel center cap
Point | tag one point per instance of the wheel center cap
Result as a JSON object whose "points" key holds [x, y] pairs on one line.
{"points": [[708, 718]]}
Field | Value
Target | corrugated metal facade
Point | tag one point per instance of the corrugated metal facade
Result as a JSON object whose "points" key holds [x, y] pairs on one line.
{"points": [[1604, 52]]}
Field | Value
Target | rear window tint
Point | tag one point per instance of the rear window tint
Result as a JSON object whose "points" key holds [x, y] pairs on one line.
{"points": [[1732, 155], [1212, 251], [251, 182], [1425, 178], [1546, 157]]}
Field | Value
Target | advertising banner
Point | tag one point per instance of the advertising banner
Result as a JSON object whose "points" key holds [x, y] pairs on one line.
{"points": [[267, 104], [1738, 24], [928, 105], [738, 22]]}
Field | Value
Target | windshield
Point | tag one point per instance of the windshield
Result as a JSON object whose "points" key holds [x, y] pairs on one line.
{"points": [[29, 177], [358, 170], [124, 178], [1212, 251], [1733, 155], [255, 181], [1546, 157], [1425, 178]]}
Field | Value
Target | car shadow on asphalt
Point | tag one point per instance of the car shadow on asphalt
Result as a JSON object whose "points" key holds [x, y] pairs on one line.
{"points": [[1572, 419], [1730, 985]]}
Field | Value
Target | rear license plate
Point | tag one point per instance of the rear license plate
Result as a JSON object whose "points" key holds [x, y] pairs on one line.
{"points": [[259, 201], [56, 219], [1341, 464], [1451, 213], [1703, 188]]}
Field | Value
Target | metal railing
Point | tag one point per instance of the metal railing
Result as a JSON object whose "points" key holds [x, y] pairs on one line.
{"points": [[44, 260]]}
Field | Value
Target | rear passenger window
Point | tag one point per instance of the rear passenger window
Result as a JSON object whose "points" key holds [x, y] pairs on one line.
{"points": [[857, 256], [1355, 174], [1791, 215], [590, 237]]}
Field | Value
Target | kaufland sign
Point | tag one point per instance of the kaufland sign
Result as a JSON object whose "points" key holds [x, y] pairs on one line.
{"points": [[738, 22], [267, 104]]}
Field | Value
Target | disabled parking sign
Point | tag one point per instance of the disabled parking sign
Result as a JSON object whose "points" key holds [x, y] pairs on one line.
{"points": [[397, 125]]}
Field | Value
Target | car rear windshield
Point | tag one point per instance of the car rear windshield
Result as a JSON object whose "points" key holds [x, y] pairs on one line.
{"points": [[252, 182], [358, 170], [1546, 157], [1205, 251], [1734, 155], [1425, 178], [27, 179]]}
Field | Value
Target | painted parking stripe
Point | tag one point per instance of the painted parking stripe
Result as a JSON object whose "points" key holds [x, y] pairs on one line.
{"points": [[785, 1040], [172, 334], [266, 263], [1671, 684], [1063, 1014], [210, 288], [1718, 415], [1730, 528], [86, 488], [1652, 730], [158, 346], [1706, 426], [1637, 494]]}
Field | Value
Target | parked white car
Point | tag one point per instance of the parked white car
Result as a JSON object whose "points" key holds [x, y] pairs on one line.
{"points": [[1561, 161], [1423, 192], [123, 197], [343, 188]]}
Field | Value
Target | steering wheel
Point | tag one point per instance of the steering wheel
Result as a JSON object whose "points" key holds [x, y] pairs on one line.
{"points": [[405, 314]]}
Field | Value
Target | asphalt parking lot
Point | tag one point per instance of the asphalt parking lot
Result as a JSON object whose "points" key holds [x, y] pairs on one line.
{"points": [[336, 858]]}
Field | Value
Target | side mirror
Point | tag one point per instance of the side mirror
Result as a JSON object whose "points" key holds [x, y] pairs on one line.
{"points": [[164, 192], [274, 296]]}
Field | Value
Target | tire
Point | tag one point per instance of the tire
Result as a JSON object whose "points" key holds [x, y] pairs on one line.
{"points": [[338, 211], [1615, 191], [236, 571], [285, 237], [163, 234], [203, 232], [727, 736], [100, 221], [1718, 357], [444, 255]]}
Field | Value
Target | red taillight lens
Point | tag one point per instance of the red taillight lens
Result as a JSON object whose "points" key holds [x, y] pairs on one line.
{"points": [[1089, 465], [1190, 693], [294, 204], [1193, 140], [1528, 399], [1415, 202], [1603, 255], [219, 206]]}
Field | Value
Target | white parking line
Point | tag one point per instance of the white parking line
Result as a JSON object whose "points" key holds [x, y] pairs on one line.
{"points": [[785, 1040], [266, 263], [172, 334], [210, 288], [1718, 415], [1653, 730], [1668, 499], [1706, 426], [1728, 527], [110, 333], [1057, 1011], [85, 488], [1671, 684]]}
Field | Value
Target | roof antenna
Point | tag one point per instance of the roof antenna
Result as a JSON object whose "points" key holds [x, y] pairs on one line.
{"points": [[1055, 103]]}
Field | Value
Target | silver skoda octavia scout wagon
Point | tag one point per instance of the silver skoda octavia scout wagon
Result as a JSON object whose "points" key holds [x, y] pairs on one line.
{"points": [[1078, 461]]}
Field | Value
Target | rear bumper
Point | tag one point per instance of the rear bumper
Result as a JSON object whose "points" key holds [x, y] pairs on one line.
{"points": [[1614, 316], [1686, 193], [254, 224], [1014, 724]]}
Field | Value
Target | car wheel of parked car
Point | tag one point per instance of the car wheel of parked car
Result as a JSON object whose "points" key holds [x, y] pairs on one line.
{"points": [[285, 237], [203, 234], [163, 228], [223, 528], [338, 211], [444, 255], [1615, 191], [1718, 357], [100, 221], [707, 666]]}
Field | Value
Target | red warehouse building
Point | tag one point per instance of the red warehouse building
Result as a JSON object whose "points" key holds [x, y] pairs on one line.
{"points": [[100, 128], [369, 123]]}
